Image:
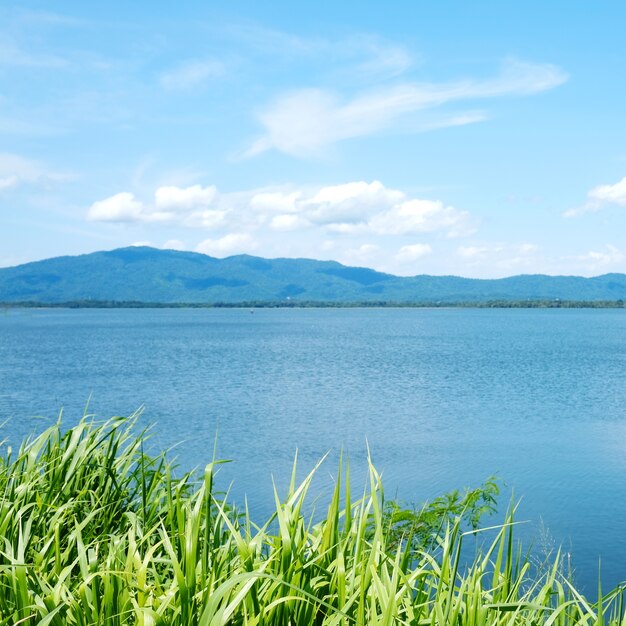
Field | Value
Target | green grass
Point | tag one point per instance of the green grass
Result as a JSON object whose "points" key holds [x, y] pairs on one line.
{"points": [[95, 531]]}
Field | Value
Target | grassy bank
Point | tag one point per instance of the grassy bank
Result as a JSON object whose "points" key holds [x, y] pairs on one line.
{"points": [[95, 531]]}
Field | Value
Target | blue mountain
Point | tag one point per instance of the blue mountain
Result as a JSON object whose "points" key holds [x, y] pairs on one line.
{"points": [[167, 276]]}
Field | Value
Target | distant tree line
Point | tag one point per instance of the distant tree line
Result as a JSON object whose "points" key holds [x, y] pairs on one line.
{"points": [[555, 303]]}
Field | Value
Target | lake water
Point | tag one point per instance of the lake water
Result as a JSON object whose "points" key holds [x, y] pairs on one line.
{"points": [[445, 398]]}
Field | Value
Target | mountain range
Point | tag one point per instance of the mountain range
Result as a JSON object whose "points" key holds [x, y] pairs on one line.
{"points": [[150, 275]]}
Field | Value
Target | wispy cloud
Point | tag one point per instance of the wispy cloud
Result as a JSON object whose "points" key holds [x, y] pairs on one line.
{"points": [[9, 181], [386, 60], [16, 170], [191, 73], [49, 18], [12, 55], [349, 56], [266, 40], [305, 122], [600, 197]]}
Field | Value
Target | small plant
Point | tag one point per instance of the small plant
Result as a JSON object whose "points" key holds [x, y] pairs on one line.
{"points": [[422, 525]]}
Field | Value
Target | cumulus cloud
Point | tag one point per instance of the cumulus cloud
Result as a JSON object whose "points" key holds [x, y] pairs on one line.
{"points": [[190, 74], [174, 244], [188, 206], [505, 257], [473, 252], [305, 122], [599, 197], [208, 219], [276, 201], [598, 260], [288, 221], [359, 208], [350, 202], [233, 243], [349, 209], [179, 199], [370, 224], [610, 194], [421, 216], [413, 252], [122, 207], [365, 254]]}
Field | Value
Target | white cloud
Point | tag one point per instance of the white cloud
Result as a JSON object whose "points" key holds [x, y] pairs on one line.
{"points": [[581, 210], [385, 60], [421, 216], [16, 170], [610, 194], [352, 209], [578, 211], [363, 55], [599, 197], [208, 219], [305, 122], [412, 252], [528, 248], [190, 74], [174, 244], [122, 207], [473, 252], [277, 201], [350, 202], [365, 254], [596, 261], [505, 258], [519, 78], [343, 228], [337, 194], [359, 208], [9, 181], [184, 205], [457, 119], [184, 199], [233, 243], [288, 221]]}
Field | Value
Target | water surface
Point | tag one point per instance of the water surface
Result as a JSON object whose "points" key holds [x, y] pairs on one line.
{"points": [[445, 398]]}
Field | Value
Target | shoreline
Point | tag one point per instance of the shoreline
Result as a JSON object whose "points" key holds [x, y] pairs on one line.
{"points": [[314, 304]]}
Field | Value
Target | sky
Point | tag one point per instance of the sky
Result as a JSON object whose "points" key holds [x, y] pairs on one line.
{"points": [[480, 139]]}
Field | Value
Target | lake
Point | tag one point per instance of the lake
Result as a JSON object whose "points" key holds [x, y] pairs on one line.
{"points": [[444, 397]]}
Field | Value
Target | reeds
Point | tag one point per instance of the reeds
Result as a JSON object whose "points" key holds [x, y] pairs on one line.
{"points": [[95, 531]]}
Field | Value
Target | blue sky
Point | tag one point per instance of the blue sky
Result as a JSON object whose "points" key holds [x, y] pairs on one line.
{"points": [[475, 138]]}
